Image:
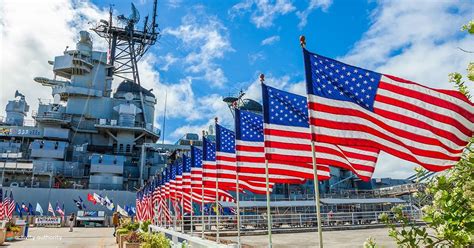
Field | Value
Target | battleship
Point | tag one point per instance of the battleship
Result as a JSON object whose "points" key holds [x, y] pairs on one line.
{"points": [[89, 136]]}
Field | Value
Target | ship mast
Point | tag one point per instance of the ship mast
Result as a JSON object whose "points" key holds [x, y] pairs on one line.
{"points": [[128, 44]]}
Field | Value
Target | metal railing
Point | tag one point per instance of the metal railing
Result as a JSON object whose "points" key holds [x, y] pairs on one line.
{"points": [[294, 221]]}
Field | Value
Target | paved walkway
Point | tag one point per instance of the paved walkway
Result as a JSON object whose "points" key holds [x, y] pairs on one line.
{"points": [[338, 239], [61, 237], [102, 237]]}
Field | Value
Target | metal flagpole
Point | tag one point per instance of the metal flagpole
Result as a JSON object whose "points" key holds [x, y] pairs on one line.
{"points": [[202, 211], [315, 170], [182, 214], [217, 198], [269, 213], [202, 195], [191, 199], [238, 204]]}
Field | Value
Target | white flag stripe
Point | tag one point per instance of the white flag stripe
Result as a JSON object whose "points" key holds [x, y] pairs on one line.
{"points": [[430, 92], [373, 126], [357, 134]]}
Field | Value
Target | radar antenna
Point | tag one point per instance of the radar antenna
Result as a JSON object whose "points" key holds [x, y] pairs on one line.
{"points": [[127, 43]]}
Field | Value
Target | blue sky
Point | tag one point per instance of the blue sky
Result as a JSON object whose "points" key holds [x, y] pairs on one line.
{"points": [[210, 49]]}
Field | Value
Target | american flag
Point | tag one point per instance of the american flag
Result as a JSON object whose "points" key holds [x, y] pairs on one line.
{"points": [[138, 206], [209, 171], [156, 198], [163, 204], [2, 212], [6, 205], [179, 178], [172, 178], [50, 209], [351, 105], [185, 170], [196, 181], [250, 154], [58, 209], [167, 182], [11, 206], [227, 165], [288, 137]]}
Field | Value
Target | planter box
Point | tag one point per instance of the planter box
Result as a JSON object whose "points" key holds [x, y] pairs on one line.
{"points": [[2, 235], [122, 240], [9, 236], [132, 245]]}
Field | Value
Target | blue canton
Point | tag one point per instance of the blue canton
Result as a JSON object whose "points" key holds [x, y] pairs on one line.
{"points": [[248, 126], [179, 168], [173, 172], [209, 150], [332, 79], [225, 139], [186, 164], [284, 108], [196, 156]]}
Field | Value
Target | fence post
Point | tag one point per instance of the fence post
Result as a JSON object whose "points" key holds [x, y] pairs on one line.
{"points": [[352, 214]]}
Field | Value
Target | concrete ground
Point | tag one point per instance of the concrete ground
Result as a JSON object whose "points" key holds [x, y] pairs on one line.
{"points": [[61, 237], [102, 237], [347, 238]]}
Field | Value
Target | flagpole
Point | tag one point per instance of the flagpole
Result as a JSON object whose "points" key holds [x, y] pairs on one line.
{"points": [[315, 170], [238, 205], [217, 198], [202, 195], [191, 199], [202, 210], [269, 214]]}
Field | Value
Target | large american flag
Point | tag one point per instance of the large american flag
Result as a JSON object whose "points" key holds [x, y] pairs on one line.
{"points": [[227, 165], [288, 137], [209, 172], [196, 181], [250, 153], [355, 106]]}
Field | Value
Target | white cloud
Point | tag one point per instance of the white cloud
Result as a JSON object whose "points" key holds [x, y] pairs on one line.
{"points": [[270, 40], [417, 42], [168, 60], [174, 3], [256, 56], [264, 12], [313, 4], [206, 39], [32, 34], [254, 90]]}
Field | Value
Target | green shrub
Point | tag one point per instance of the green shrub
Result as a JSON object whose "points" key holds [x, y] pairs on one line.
{"points": [[122, 231], [144, 225], [154, 240]]}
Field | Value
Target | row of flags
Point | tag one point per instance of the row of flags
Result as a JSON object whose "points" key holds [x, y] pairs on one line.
{"points": [[348, 117]]}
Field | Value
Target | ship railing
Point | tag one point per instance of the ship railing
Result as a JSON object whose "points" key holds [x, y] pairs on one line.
{"points": [[139, 124], [293, 221], [53, 116]]}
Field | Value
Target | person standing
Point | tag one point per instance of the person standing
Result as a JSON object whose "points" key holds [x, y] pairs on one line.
{"points": [[115, 221], [71, 222]]}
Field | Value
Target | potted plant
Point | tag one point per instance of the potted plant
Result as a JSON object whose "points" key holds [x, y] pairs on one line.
{"points": [[155, 240], [12, 231], [133, 240], [119, 232], [120, 236]]}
